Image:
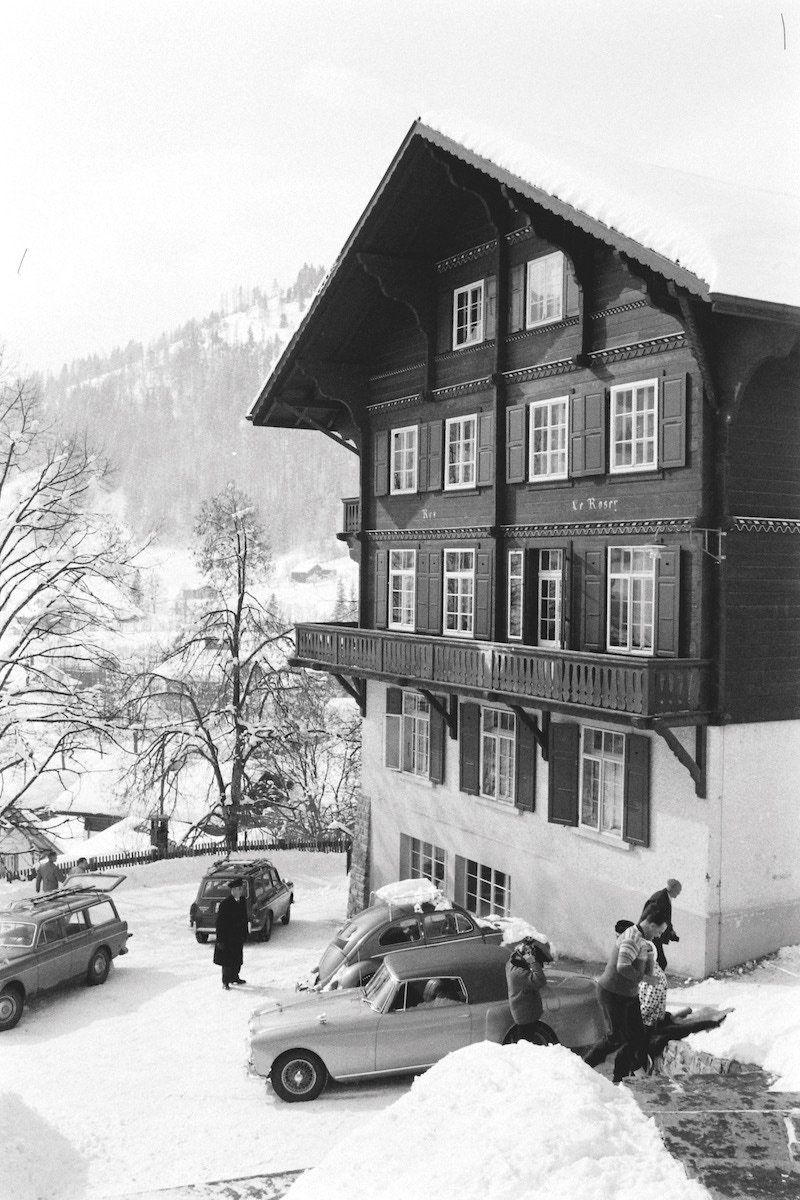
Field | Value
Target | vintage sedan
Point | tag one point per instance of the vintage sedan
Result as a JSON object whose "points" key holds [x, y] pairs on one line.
{"points": [[419, 1005], [72, 933]]}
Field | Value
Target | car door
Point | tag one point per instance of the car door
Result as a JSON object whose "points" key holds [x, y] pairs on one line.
{"points": [[416, 1034], [54, 953]]}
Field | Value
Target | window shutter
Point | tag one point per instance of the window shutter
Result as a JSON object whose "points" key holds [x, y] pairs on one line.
{"points": [[530, 598], [460, 881], [636, 823], [423, 443], [405, 856], [572, 295], [566, 599], [594, 594], [672, 449], [428, 616], [483, 595], [516, 298], [381, 589], [432, 481], [563, 782], [394, 700], [381, 462], [668, 586], [588, 434], [469, 746], [438, 742], [444, 331], [485, 449], [525, 798], [490, 307], [515, 443], [393, 725]]}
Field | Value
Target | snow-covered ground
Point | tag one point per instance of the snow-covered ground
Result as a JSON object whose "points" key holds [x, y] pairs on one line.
{"points": [[140, 1084]]}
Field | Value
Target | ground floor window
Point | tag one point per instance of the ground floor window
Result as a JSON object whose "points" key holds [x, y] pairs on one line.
{"points": [[498, 746], [599, 779], [602, 780], [482, 889], [426, 861], [407, 742]]}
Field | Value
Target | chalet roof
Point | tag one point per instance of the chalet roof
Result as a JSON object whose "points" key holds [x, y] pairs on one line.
{"points": [[738, 249]]}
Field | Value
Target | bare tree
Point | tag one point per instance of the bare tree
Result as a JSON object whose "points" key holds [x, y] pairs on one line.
{"points": [[63, 574]]}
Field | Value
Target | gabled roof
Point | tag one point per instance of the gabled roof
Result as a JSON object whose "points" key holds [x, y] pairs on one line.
{"points": [[736, 248]]}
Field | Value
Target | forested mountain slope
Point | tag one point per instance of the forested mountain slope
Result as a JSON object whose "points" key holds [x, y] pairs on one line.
{"points": [[171, 417]]}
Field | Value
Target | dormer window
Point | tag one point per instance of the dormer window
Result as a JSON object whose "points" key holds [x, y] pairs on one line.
{"points": [[468, 315], [545, 290]]}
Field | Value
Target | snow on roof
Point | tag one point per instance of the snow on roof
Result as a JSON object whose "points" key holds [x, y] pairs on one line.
{"points": [[738, 241]]}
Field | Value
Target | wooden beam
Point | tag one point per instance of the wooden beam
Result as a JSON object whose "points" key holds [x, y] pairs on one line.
{"points": [[357, 689], [695, 766], [448, 711], [542, 735]]}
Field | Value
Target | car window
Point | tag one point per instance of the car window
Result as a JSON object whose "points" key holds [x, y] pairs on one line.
{"points": [[379, 989], [16, 933], [400, 932], [217, 889], [101, 914], [75, 923], [446, 924], [52, 931], [443, 990]]}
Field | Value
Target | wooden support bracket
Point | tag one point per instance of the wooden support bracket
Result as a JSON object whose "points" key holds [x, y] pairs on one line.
{"points": [[357, 689], [448, 711], [695, 766], [541, 734]]}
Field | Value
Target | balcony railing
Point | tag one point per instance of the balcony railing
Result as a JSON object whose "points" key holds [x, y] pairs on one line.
{"points": [[351, 517], [559, 679]]}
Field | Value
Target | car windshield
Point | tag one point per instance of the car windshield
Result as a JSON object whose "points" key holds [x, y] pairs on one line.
{"points": [[215, 889], [380, 989], [16, 933]]}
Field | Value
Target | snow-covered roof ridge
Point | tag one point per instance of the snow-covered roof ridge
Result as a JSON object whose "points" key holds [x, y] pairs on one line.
{"points": [[737, 240]]}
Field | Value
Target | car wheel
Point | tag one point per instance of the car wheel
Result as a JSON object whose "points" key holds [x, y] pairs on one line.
{"points": [[287, 916], [99, 966], [11, 1004], [541, 1036], [266, 928], [298, 1075], [201, 937]]}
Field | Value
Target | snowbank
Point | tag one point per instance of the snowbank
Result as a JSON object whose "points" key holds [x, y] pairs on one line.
{"points": [[38, 1162]]}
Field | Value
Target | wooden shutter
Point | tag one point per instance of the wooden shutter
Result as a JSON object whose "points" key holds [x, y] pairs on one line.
{"points": [[380, 462], [667, 616], [393, 729], [432, 480], [588, 434], [444, 322], [566, 598], [636, 823], [484, 586], [525, 798], [515, 443], [428, 616], [593, 601], [563, 782], [381, 589], [490, 307], [423, 443], [405, 856], [485, 474], [437, 747], [572, 295], [469, 747], [516, 298], [672, 431]]}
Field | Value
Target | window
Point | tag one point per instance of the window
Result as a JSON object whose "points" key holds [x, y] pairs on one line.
{"points": [[634, 426], [548, 436], [426, 862], [631, 598], [468, 315], [459, 592], [461, 439], [404, 460], [602, 780], [408, 736], [402, 566], [551, 567], [487, 891], [545, 290], [516, 580], [498, 744]]}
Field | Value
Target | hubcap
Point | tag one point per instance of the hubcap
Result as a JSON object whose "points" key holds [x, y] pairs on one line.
{"points": [[298, 1076], [7, 1008]]}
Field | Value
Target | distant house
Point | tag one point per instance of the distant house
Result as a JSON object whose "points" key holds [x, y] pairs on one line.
{"points": [[311, 573], [192, 600], [22, 843], [578, 530]]}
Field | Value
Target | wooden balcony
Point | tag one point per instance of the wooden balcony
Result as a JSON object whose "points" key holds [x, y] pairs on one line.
{"points": [[351, 516], [638, 690]]}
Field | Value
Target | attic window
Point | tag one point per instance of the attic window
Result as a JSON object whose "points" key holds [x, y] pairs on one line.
{"points": [[468, 315], [545, 290]]}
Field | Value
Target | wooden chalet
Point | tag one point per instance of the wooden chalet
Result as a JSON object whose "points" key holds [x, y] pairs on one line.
{"points": [[579, 541]]}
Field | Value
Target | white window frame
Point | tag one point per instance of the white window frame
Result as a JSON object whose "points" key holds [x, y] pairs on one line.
{"points": [[486, 890], [634, 427], [403, 465], [403, 584], [427, 861], [461, 452], [544, 289], [602, 781], [515, 606], [552, 450], [407, 737], [498, 766], [631, 591], [468, 325], [458, 619], [550, 586]]}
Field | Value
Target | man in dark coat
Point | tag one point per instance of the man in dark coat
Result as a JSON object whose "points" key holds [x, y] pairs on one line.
{"points": [[659, 909], [231, 931]]}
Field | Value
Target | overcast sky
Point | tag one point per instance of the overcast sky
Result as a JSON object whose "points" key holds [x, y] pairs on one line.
{"points": [[157, 154]]}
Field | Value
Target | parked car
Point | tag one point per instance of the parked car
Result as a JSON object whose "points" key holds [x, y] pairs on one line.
{"points": [[269, 898], [72, 933], [361, 944], [392, 1027]]}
